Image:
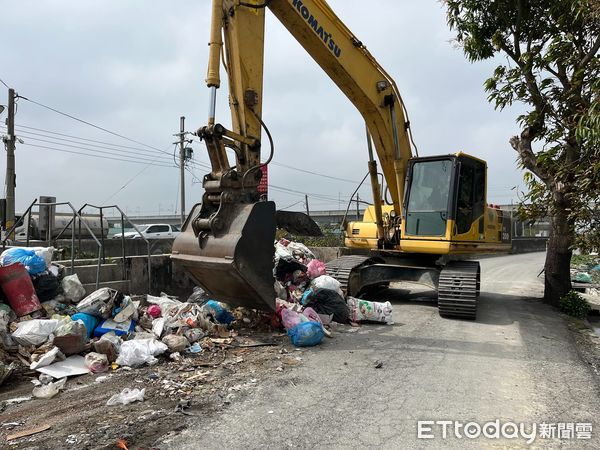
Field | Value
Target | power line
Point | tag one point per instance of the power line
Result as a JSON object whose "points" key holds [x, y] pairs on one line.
{"points": [[93, 150], [2, 81], [314, 173], [128, 182], [138, 161], [109, 151], [88, 123], [87, 140]]}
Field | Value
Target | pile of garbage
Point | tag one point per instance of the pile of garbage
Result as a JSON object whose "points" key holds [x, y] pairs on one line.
{"points": [[49, 325], [309, 300], [586, 272]]}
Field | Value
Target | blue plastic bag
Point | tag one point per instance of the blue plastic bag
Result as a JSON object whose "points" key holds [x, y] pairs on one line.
{"points": [[220, 314], [90, 322], [306, 334], [33, 263]]}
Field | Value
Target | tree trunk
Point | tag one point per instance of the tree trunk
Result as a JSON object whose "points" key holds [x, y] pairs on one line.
{"points": [[558, 259]]}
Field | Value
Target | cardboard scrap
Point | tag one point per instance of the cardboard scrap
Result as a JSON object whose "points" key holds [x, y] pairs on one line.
{"points": [[28, 432], [73, 365]]}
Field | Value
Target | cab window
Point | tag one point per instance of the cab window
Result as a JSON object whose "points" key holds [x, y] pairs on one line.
{"points": [[427, 208]]}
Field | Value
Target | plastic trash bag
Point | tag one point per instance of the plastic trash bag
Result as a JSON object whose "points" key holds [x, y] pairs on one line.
{"points": [[100, 303], [583, 277], [176, 343], [73, 290], [49, 390], [306, 334], [34, 332], [219, 313], [32, 262], [327, 282], [127, 396], [370, 311], [326, 301], [96, 362], [290, 318], [140, 351], [89, 322], [198, 296], [316, 268], [46, 286]]}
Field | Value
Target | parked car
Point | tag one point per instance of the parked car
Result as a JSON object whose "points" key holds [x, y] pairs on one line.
{"points": [[151, 231]]}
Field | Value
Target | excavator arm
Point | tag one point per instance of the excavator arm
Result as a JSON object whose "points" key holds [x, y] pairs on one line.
{"points": [[227, 241]]}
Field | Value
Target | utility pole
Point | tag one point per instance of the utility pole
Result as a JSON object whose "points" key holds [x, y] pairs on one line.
{"points": [[182, 166], [10, 161], [357, 207], [306, 203]]}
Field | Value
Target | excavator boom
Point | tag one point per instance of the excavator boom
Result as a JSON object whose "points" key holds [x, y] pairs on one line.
{"points": [[226, 244]]}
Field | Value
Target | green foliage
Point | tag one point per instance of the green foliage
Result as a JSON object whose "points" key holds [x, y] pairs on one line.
{"points": [[575, 305], [332, 237], [550, 49]]}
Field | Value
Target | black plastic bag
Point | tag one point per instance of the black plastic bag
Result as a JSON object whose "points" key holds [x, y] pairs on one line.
{"points": [[47, 286], [326, 301]]}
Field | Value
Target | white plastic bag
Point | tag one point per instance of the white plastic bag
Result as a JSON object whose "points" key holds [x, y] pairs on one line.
{"points": [[34, 332], [49, 390], [73, 290], [127, 396], [326, 282], [140, 351]]}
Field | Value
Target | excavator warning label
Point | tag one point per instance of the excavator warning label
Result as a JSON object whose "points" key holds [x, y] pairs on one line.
{"points": [[318, 29]]}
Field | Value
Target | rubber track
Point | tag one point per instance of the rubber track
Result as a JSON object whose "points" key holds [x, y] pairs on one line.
{"points": [[340, 268], [458, 290]]}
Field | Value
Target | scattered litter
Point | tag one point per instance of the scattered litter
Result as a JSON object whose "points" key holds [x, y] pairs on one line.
{"points": [[49, 390], [176, 343], [28, 432], [127, 396], [378, 364]]}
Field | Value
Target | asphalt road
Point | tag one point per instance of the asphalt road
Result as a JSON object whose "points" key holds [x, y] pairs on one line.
{"points": [[517, 363]]}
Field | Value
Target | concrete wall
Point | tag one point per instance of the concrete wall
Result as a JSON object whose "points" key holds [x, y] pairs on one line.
{"points": [[113, 247], [529, 245], [165, 276]]}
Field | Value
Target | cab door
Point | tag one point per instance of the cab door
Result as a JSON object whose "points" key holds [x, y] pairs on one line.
{"points": [[469, 200]]}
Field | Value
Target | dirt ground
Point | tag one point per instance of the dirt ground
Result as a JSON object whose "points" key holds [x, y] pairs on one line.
{"points": [[177, 395]]}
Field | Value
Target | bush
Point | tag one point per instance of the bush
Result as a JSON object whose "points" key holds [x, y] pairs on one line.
{"points": [[575, 305]]}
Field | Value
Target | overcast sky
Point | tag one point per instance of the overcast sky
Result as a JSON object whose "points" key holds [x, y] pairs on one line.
{"points": [[135, 66]]}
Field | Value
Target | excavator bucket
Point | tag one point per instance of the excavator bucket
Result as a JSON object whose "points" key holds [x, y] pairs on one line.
{"points": [[236, 266], [297, 223]]}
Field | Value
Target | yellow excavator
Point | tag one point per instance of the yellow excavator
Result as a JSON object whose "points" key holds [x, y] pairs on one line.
{"points": [[436, 216]]}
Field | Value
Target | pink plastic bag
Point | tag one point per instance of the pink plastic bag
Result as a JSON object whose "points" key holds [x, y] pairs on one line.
{"points": [[290, 318], [316, 268], [311, 314]]}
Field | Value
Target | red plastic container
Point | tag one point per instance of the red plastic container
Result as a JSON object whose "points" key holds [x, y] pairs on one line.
{"points": [[18, 288]]}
